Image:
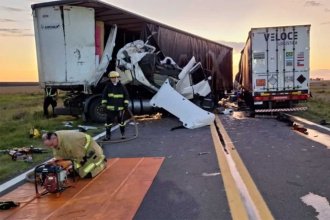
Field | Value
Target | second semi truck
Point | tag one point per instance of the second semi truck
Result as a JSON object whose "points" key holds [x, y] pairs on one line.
{"points": [[274, 68]]}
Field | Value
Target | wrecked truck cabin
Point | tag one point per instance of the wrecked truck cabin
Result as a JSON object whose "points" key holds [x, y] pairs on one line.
{"points": [[79, 42]]}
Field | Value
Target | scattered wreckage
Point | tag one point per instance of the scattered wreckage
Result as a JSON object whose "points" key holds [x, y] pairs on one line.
{"points": [[78, 42], [174, 94], [23, 153]]}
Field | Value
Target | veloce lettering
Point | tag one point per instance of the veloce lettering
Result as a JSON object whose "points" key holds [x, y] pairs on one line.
{"points": [[281, 36]]}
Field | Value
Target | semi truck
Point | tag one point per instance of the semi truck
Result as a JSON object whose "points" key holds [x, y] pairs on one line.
{"points": [[274, 69], [79, 42]]}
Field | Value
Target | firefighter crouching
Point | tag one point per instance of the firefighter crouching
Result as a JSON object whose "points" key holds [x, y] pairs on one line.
{"points": [[115, 100], [79, 147]]}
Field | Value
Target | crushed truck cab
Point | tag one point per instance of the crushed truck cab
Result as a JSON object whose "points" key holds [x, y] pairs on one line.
{"points": [[79, 42]]}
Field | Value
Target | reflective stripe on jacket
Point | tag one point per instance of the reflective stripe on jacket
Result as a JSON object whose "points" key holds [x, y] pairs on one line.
{"points": [[50, 92], [93, 161], [77, 145], [115, 97], [87, 146]]}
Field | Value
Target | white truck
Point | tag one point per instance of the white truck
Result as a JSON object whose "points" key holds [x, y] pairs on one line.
{"points": [[274, 68], [79, 42]]}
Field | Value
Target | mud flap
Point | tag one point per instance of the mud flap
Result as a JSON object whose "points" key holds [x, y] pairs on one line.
{"points": [[188, 113]]}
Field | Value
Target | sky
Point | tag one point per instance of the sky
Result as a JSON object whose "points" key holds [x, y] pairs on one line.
{"points": [[223, 21]]}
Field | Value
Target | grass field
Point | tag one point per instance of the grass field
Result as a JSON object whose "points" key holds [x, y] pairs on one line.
{"points": [[21, 110], [319, 103]]}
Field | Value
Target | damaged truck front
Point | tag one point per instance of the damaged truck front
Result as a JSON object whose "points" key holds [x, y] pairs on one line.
{"points": [[79, 42]]}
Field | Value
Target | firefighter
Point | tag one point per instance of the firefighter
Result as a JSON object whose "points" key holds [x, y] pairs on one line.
{"points": [[50, 99], [115, 100], [81, 148]]}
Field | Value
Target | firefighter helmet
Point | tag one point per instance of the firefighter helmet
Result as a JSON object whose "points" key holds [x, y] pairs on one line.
{"points": [[113, 74]]}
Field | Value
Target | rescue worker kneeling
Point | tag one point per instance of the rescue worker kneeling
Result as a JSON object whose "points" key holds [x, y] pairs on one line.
{"points": [[81, 148]]}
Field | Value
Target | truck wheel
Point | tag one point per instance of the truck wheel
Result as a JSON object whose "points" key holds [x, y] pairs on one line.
{"points": [[96, 111]]}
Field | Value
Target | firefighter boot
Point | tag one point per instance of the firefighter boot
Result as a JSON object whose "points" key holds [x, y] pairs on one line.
{"points": [[122, 131], [107, 134]]}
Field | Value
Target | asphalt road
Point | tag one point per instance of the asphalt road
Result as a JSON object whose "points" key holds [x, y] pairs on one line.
{"points": [[286, 166], [283, 163], [188, 184]]}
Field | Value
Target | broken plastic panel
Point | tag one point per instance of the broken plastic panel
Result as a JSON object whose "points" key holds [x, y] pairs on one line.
{"points": [[107, 54], [188, 113], [193, 81]]}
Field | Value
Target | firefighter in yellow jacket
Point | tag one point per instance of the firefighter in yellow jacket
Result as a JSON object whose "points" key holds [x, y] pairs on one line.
{"points": [[115, 100], [86, 154]]}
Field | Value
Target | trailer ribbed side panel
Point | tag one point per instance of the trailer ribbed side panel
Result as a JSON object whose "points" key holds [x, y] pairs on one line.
{"points": [[181, 47], [245, 67]]}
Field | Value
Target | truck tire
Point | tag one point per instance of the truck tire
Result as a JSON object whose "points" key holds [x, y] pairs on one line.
{"points": [[96, 111]]}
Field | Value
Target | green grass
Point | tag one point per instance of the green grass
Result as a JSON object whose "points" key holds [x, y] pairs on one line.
{"points": [[319, 104], [22, 111], [9, 168], [19, 113]]}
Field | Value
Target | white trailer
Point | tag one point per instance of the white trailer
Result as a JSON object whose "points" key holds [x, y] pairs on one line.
{"points": [[274, 68], [79, 42]]}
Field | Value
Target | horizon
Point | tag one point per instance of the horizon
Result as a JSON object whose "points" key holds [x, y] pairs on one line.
{"points": [[323, 76], [18, 53]]}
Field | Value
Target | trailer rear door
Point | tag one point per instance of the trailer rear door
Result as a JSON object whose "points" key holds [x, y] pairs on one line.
{"points": [[79, 23], [49, 33], [280, 58], [65, 39]]}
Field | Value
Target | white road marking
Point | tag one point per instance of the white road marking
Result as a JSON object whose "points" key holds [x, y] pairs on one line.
{"points": [[244, 192], [211, 174], [319, 203]]}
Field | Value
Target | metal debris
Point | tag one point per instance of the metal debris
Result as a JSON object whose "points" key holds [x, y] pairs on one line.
{"points": [[211, 174], [300, 128], [203, 153]]}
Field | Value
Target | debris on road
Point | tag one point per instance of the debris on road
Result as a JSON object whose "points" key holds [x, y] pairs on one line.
{"points": [[203, 153], [211, 174], [148, 117], [300, 128], [227, 111], [285, 118]]}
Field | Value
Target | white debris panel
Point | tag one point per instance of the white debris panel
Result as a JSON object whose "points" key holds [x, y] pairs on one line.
{"points": [[188, 113]]}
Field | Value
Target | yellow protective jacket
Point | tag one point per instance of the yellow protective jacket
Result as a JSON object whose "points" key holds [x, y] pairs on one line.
{"points": [[87, 155]]}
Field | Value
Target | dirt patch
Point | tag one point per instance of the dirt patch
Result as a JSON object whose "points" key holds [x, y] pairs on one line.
{"points": [[20, 89]]}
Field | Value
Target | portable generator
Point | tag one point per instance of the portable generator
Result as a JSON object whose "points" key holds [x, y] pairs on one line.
{"points": [[50, 178]]}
